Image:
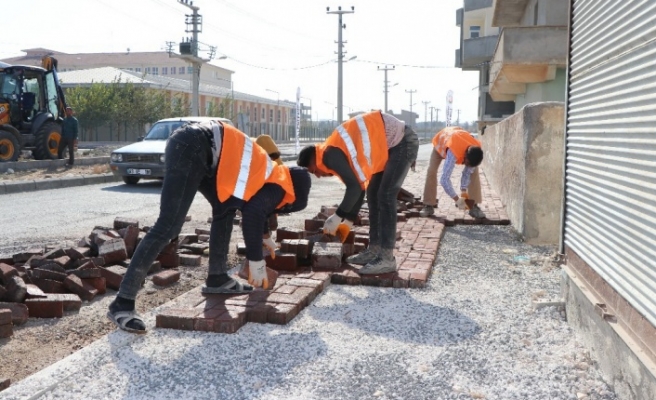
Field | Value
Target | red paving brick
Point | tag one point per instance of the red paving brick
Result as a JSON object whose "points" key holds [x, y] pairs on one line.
{"points": [[418, 240]]}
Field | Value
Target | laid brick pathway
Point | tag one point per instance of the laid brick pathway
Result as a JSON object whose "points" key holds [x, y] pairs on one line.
{"points": [[415, 252]]}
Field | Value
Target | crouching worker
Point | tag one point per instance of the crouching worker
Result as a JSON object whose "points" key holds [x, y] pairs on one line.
{"points": [[371, 152], [456, 146], [232, 172]]}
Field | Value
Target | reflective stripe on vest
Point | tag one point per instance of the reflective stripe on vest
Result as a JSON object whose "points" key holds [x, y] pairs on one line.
{"points": [[352, 152], [366, 140]]}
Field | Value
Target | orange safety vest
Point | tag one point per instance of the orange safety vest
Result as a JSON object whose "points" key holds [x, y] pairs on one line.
{"points": [[455, 139], [363, 141], [244, 167]]}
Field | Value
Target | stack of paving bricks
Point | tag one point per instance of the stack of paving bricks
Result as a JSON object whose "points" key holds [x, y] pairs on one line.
{"points": [[45, 283]]}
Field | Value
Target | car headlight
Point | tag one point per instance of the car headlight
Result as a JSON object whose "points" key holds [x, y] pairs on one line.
{"points": [[162, 158], [117, 157]]}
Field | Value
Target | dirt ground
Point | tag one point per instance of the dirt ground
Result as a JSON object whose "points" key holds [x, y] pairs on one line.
{"points": [[41, 342]]}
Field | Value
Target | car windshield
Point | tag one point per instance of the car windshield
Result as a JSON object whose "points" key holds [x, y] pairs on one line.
{"points": [[162, 130]]}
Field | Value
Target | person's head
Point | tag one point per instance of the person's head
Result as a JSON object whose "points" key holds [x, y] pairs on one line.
{"points": [[69, 111], [307, 158], [302, 184], [473, 156], [267, 143]]}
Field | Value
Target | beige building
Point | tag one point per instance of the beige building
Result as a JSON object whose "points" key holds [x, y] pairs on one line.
{"points": [[253, 115], [151, 63]]}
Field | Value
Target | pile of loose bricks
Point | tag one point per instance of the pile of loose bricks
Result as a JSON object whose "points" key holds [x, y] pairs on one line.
{"points": [[46, 283], [307, 262]]}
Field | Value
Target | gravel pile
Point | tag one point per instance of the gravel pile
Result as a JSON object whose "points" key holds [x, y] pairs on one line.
{"points": [[471, 334]]}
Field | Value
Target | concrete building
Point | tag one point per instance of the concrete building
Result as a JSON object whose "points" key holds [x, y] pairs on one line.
{"points": [[478, 39], [150, 63], [528, 64]]}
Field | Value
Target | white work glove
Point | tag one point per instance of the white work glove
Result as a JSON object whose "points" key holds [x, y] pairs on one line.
{"points": [[461, 203], [270, 245], [257, 275], [331, 224]]}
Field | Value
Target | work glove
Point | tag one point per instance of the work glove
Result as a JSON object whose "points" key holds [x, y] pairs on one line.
{"points": [[462, 203], [344, 229], [270, 245], [331, 224], [257, 275]]}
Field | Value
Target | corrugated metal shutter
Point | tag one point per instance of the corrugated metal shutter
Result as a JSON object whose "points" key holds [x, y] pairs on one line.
{"points": [[610, 219]]}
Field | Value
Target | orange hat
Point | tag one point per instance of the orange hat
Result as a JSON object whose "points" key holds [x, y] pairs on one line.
{"points": [[270, 147]]}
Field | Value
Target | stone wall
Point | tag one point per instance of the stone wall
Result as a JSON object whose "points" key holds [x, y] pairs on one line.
{"points": [[524, 164]]}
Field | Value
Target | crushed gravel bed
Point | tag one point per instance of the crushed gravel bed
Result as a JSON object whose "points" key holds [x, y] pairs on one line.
{"points": [[472, 333]]}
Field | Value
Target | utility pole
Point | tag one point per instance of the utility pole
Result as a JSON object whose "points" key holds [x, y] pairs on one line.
{"points": [[432, 109], [387, 68], [426, 103], [195, 21], [340, 56], [411, 92], [458, 119]]}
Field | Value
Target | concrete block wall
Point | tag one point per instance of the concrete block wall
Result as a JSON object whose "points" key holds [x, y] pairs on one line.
{"points": [[524, 164]]}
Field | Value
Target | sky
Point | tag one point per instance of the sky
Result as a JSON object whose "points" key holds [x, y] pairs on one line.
{"points": [[277, 46]]}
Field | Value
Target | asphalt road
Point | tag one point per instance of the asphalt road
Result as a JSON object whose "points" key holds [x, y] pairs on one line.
{"points": [[61, 217]]}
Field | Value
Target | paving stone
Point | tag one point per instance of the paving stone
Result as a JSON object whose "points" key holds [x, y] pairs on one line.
{"points": [[282, 262], [55, 253], [5, 317], [313, 225], [47, 274], [6, 272], [4, 383], [45, 308], [124, 222], [49, 286], [130, 237], [113, 275], [3, 291], [113, 250], [190, 260], [16, 289], [24, 256], [241, 248], [19, 312], [83, 289], [70, 301], [289, 233], [195, 248], [202, 231], [165, 278], [6, 330], [99, 283], [169, 260], [327, 255], [33, 291]]}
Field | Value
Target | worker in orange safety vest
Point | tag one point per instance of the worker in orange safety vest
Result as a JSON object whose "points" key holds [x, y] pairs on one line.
{"points": [[371, 153], [455, 146], [233, 173]]}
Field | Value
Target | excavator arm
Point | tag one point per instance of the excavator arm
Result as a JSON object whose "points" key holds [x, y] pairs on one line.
{"points": [[49, 63]]}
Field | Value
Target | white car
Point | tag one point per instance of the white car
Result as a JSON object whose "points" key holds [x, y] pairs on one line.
{"points": [[145, 158]]}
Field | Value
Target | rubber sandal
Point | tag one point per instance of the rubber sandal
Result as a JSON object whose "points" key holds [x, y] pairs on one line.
{"points": [[121, 319], [233, 286]]}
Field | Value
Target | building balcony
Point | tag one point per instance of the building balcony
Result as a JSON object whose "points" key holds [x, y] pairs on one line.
{"points": [[525, 55], [476, 51], [471, 5], [508, 12]]}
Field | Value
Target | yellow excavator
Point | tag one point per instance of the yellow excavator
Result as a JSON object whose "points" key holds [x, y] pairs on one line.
{"points": [[32, 108]]}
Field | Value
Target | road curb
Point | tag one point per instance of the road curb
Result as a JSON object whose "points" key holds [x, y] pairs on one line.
{"points": [[57, 183], [43, 164]]}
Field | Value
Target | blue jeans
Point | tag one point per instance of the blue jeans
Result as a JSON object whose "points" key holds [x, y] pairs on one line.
{"points": [[188, 170], [384, 188]]}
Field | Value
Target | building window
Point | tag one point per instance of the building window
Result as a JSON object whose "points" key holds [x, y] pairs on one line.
{"points": [[155, 70], [474, 31], [147, 70], [173, 70], [190, 70], [138, 69], [270, 115], [279, 114], [165, 70], [181, 70], [263, 114]]}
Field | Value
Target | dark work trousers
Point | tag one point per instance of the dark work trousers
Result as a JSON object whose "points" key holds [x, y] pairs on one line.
{"points": [[63, 143], [384, 188], [188, 170]]}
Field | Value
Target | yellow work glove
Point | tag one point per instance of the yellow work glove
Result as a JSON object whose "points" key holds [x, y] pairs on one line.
{"points": [[257, 275], [270, 245], [331, 224]]}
